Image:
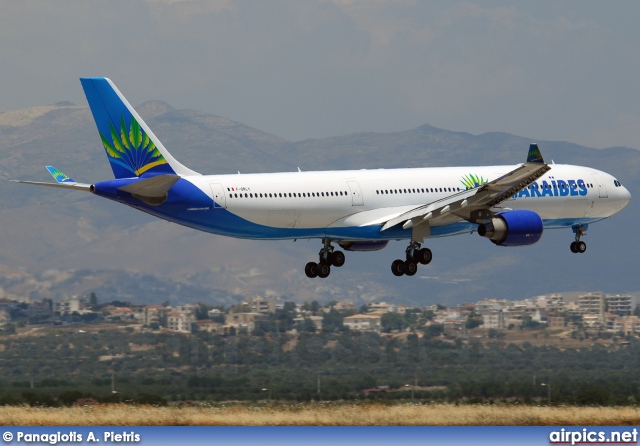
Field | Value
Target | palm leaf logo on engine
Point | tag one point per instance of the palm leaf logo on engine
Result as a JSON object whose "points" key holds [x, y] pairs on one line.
{"points": [[131, 148], [472, 181]]}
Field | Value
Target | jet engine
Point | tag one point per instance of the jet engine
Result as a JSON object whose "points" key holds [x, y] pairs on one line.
{"points": [[513, 228]]}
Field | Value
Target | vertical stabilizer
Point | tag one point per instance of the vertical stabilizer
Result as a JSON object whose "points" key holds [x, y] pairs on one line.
{"points": [[131, 146]]}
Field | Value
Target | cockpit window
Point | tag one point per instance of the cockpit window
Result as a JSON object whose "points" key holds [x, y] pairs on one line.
{"points": [[617, 183]]}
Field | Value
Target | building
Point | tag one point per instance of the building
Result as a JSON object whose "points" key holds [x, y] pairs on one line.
{"points": [[121, 313], [244, 321], [67, 305], [591, 303], [38, 310], [556, 323], [153, 313], [593, 320], [382, 307], [210, 326], [619, 304], [494, 319], [179, 321], [629, 325], [260, 305], [550, 302], [363, 322], [345, 306]]}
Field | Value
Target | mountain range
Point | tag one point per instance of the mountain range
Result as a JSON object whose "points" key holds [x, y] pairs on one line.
{"points": [[56, 242]]}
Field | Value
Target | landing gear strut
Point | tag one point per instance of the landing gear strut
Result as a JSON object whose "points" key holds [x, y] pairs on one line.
{"points": [[328, 257], [414, 255], [578, 247]]}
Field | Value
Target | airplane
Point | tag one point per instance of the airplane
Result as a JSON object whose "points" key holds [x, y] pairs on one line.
{"points": [[358, 210]]}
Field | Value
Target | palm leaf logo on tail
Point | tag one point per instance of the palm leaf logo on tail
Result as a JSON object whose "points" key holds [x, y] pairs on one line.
{"points": [[131, 148]]}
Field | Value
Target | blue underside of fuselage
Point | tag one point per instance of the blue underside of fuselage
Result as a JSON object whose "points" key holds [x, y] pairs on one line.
{"points": [[201, 214]]}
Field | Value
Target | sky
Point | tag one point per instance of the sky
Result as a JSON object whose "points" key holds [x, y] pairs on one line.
{"points": [[547, 70]]}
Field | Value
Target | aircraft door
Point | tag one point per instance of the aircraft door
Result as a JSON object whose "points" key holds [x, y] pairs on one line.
{"points": [[356, 193], [219, 199], [602, 187]]}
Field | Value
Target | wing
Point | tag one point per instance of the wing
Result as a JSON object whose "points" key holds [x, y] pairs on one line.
{"points": [[474, 205]]}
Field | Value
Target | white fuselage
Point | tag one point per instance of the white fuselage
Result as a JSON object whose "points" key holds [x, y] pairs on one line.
{"points": [[349, 204]]}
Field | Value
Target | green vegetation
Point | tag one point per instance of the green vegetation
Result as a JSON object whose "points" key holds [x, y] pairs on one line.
{"points": [[62, 367]]}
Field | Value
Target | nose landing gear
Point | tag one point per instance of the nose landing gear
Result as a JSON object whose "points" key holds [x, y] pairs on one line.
{"points": [[578, 247], [328, 257], [414, 255]]}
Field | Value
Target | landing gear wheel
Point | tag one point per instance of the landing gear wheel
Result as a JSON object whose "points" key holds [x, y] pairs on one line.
{"points": [[323, 270], [337, 258], [397, 267], [311, 270], [423, 256], [578, 247], [410, 268]]}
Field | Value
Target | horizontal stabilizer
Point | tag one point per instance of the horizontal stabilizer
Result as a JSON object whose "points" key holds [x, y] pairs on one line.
{"points": [[76, 186], [154, 187], [62, 181]]}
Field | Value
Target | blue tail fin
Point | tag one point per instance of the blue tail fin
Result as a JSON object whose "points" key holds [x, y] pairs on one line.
{"points": [[132, 148]]}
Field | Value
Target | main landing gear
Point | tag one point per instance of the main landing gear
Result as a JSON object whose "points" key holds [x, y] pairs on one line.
{"points": [[578, 247], [328, 257], [414, 255]]}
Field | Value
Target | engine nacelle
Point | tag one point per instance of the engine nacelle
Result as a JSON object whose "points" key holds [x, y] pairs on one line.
{"points": [[514, 228], [373, 245]]}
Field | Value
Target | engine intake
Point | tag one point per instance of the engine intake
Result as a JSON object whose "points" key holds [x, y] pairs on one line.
{"points": [[514, 228]]}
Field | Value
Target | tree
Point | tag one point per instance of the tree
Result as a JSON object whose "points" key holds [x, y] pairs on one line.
{"points": [[289, 307], [306, 325], [393, 321], [473, 322], [314, 306], [202, 311], [93, 300], [433, 330]]}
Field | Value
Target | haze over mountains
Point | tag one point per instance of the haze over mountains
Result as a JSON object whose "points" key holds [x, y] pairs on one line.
{"points": [[57, 242]]}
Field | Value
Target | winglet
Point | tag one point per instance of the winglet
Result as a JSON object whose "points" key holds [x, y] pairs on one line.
{"points": [[534, 155], [59, 176]]}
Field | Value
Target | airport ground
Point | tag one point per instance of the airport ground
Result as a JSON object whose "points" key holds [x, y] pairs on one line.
{"points": [[321, 414]]}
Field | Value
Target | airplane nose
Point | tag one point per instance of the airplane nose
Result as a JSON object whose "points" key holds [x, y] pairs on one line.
{"points": [[624, 197]]}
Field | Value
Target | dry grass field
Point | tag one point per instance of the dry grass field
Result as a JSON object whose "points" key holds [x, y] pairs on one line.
{"points": [[320, 415]]}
